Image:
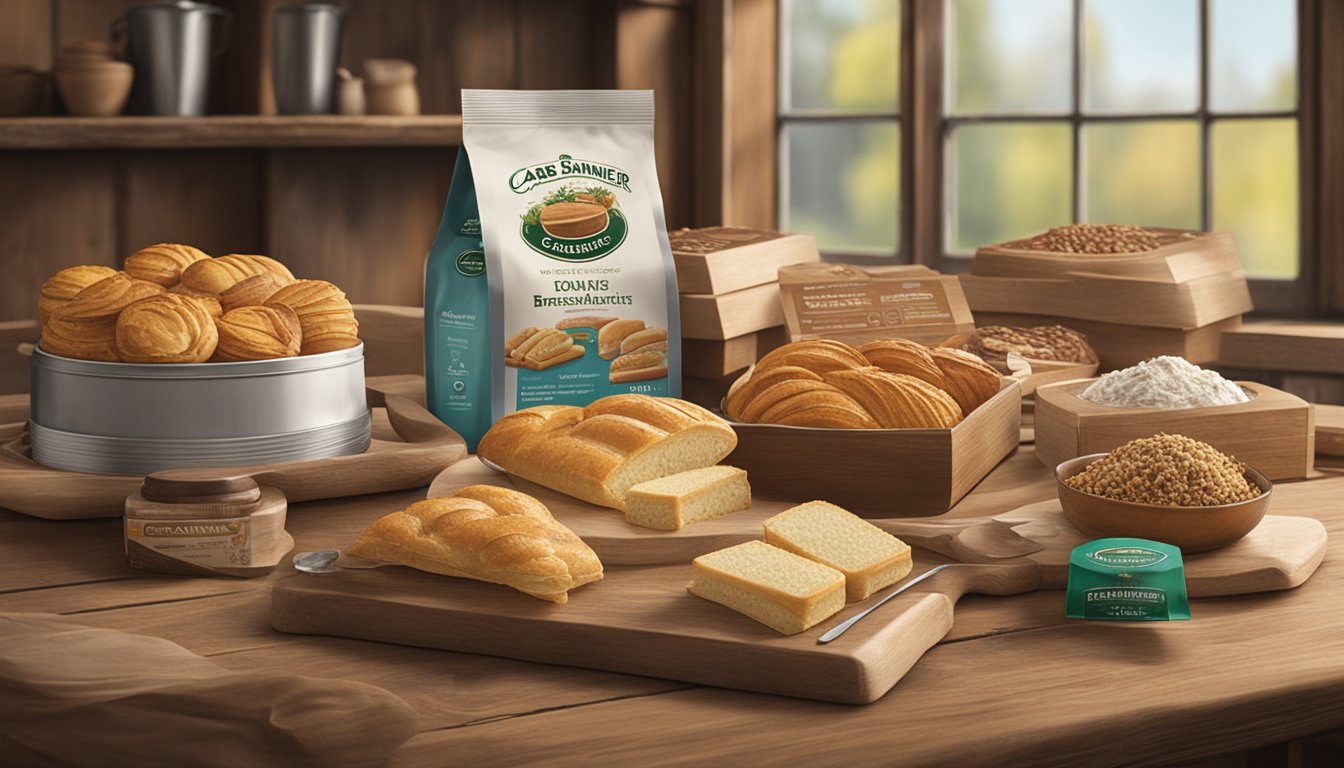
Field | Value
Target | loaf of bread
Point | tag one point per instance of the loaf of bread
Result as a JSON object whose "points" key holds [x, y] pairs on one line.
{"points": [[886, 384], [486, 533], [166, 328], [673, 502], [869, 557], [64, 285], [781, 590], [258, 333], [163, 263], [597, 452], [611, 335]]}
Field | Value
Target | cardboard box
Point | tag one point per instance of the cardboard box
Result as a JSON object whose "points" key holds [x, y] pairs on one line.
{"points": [[881, 472], [1120, 346], [718, 260], [714, 359], [860, 304], [1273, 433], [730, 315], [1184, 256], [1285, 345]]}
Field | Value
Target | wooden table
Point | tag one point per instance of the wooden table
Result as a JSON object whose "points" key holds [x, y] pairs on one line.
{"points": [[1015, 683]]}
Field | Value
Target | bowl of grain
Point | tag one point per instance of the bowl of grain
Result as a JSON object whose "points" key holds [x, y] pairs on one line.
{"points": [[1167, 488]]}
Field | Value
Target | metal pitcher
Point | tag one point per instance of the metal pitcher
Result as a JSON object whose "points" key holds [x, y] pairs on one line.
{"points": [[307, 50], [169, 45]]}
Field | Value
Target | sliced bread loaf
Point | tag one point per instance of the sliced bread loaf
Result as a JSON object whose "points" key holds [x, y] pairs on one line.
{"points": [[781, 590], [869, 557], [669, 503]]}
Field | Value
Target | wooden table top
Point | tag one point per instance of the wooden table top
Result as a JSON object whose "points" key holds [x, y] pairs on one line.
{"points": [[1015, 683]]}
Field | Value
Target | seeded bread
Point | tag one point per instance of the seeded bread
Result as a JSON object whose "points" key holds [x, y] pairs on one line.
{"points": [[869, 557], [672, 502], [779, 589]]}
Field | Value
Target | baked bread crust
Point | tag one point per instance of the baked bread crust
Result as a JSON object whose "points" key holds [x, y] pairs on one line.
{"points": [[326, 316], [64, 285], [595, 453], [250, 291], [904, 356], [816, 355], [993, 344], [258, 333], [86, 326], [486, 533], [970, 380], [163, 263], [166, 328]]}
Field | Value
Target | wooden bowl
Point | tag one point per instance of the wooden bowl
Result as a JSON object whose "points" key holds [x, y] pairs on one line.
{"points": [[97, 89], [1193, 529]]}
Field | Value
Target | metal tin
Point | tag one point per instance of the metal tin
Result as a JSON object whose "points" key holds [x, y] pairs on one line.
{"points": [[129, 418]]}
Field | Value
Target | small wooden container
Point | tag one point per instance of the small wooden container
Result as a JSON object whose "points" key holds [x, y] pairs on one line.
{"points": [[1120, 346], [881, 472], [1274, 432], [1185, 255]]}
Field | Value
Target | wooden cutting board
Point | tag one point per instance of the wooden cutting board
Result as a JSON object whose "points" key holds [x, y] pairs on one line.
{"points": [[1281, 553], [642, 621]]}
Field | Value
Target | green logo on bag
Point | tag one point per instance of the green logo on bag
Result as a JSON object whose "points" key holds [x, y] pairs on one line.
{"points": [[471, 263], [569, 231], [1126, 557], [567, 167]]}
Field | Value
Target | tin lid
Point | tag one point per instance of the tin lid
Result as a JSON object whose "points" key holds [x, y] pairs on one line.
{"points": [[193, 486]]}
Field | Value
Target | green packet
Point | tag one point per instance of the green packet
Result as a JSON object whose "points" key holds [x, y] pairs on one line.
{"points": [[1126, 580]]}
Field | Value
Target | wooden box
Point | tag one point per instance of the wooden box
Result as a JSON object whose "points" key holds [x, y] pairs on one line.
{"points": [[707, 359], [1184, 256], [1119, 346], [1273, 433], [862, 304], [881, 472], [1284, 345], [1046, 372], [730, 315], [708, 392], [717, 260]]}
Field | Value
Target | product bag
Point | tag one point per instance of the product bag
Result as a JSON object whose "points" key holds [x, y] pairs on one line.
{"points": [[550, 281]]}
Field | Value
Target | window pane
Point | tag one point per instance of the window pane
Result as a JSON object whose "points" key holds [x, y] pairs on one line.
{"points": [[1010, 56], [1008, 180], [841, 54], [1255, 192], [841, 183], [1253, 44], [1140, 56], [1142, 173]]}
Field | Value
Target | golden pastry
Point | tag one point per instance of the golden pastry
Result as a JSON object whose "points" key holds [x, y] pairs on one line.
{"points": [[214, 276], [745, 390], [903, 356], [816, 355], [970, 380], [166, 328], [86, 326], [258, 333], [327, 318], [210, 303], [805, 403], [897, 400], [62, 287], [185, 291], [251, 291], [163, 263]]}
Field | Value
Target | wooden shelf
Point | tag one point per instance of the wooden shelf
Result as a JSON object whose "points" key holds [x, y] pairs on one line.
{"points": [[229, 131]]}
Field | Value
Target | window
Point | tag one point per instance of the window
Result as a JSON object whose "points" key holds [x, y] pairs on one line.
{"points": [[840, 125], [1179, 113]]}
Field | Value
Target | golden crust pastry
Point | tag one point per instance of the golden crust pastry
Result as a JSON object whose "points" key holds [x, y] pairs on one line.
{"points": [[163, 263], [327, 318], [258, 333], [166, 328], [86, 326], [970, 380], [486, 533], [210, 303], [62, 287], [903, 356], [251, 291], [993, 344], [746, 388], [816, 355], [215, 276], [897, 400]]}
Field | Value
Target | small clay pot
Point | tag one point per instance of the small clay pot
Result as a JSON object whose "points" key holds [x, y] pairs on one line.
{"points": [[95, 89]]}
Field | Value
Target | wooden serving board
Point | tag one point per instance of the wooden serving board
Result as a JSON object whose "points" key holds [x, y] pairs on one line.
{"points": [[642, 621]]}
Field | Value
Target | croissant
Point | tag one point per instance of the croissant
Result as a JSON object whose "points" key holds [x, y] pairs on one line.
{"points": [[163, 263], [62, 287], [86, 326], [485, 533], [166, 328], [258, 333], [326, 316]]}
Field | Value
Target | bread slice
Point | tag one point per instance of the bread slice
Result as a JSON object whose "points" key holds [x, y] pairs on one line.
{"points": [[869, 557], [672, 502], [781, 590]]}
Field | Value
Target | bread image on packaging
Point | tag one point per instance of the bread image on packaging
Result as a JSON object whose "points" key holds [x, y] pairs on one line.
{"points": [[611, 335], [673, 502], [541, 348], [573, 221], [869, 557], [781, 590], [163, 263], [586, 321], [638, 366], [166, 328], [62, 287], [597, 452], [642, 339], [486, 533]]}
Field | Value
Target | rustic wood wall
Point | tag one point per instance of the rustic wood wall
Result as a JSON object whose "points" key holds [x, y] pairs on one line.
{"points": [[360, 217]]}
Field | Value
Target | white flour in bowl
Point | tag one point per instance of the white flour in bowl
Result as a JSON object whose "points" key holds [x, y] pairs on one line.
{"points": [[1164, 382]]}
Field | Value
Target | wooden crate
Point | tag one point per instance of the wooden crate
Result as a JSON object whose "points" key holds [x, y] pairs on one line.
{"points": [[730, 315], [881, 472], [717, 260], [1185, 255], [707, 359], [708, 392], [1120, 345], [1273, 433], [858, 304], [1285, 345]]}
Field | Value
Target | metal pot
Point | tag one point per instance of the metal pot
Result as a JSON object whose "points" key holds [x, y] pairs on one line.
{"points": [[306, 50], [169, 45]]}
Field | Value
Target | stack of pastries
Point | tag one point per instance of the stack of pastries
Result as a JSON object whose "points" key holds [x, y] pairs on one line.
{"points": [[175, 304], [884, 384]]}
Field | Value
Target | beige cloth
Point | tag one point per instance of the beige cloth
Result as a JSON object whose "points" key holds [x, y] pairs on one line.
{"points": [[77, 695]]}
